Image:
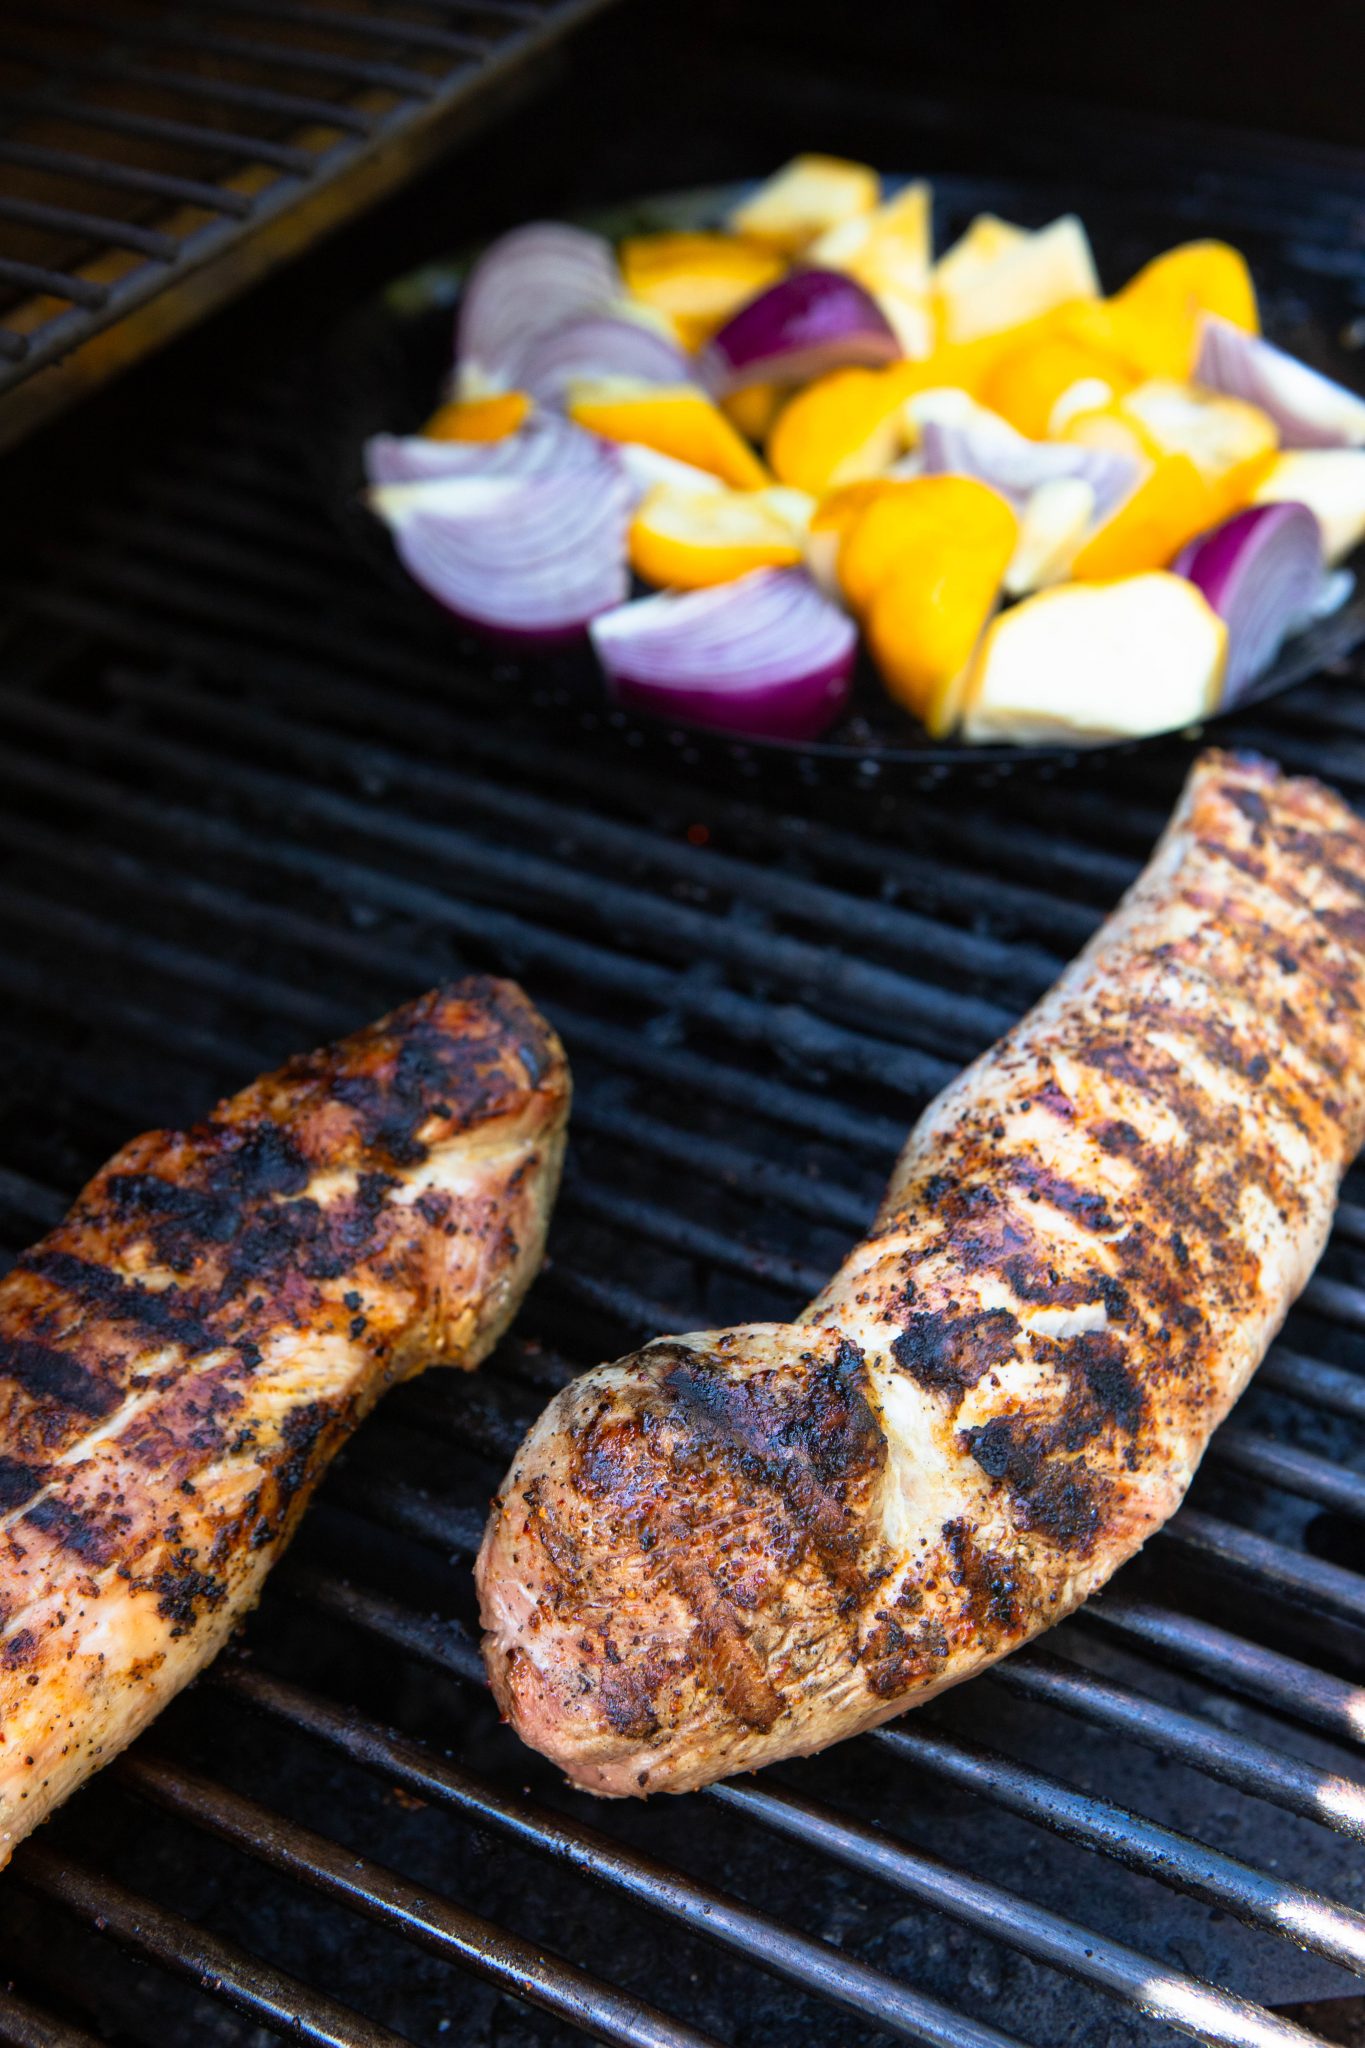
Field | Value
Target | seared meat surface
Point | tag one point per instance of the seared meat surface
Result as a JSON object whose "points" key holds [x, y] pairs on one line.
{"points": [[181, 1357], [741, 1545]]}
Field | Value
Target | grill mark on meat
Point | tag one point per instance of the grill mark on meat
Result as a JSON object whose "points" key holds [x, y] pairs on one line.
{"points": [[165, 1313], [52, 1375], [949, 1352], [181, 1365], [19, 1482], [1179, 1109], [87, 1536]]}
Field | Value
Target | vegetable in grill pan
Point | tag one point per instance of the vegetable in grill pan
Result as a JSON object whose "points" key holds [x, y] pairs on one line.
{"points": [[946, 437]]}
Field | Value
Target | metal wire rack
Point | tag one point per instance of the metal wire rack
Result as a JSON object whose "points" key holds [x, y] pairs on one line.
{"points": [[243, 805], [156, 156], [250, 797]]}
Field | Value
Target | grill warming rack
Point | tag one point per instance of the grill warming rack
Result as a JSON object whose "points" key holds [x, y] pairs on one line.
{"points": [[157, 156]]}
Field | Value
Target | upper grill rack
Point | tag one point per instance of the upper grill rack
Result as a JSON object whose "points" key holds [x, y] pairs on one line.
{"points": [[156, 155], [200, 876]]}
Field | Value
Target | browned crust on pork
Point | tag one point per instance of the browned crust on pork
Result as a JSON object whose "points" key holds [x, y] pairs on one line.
{"points": [[739, 1546], [181, 1357]]}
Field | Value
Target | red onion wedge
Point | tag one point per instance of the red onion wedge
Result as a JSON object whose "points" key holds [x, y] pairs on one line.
{"points": [[529, 559], [1262, 572], [597, 347], [1310, 410], [546, 446], [808, 322], [985, 446], [766, 655], [538, 277]]}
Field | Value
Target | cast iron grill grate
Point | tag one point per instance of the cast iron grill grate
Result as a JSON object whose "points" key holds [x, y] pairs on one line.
{"points": [[250, 797], [168, 150]]}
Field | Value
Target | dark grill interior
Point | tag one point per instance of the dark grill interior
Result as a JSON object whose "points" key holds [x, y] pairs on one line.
{"points": [[251, 796]]}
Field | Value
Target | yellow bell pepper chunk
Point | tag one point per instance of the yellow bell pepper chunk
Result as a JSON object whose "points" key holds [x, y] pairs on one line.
{"points": [[696, 280], [479, 419], [1024, 385], [685, 540], [676, 419], [923, 561], [1153, 323], [830, 521], [1171, 504], [952, 515]]}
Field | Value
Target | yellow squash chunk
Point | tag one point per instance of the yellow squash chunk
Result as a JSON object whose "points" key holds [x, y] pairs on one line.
{"points": [[677, 419], [689, 540], [1097, 661], [1052, 529], [889, 249], [1109, 427], [971, 256], [839, 429], [805, 199], [829, 522], [1331, 483], [1051, 268], [695, 280], [1225, 437], [479, 419], [1026, 383], [753, 409], [1169, 506], [927, 515]]}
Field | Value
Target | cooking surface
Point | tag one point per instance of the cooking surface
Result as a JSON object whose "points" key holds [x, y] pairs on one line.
{"points": [[252, 795]]}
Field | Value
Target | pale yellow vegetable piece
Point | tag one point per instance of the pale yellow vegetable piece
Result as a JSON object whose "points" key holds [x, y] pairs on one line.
{"points": [[1052, 529], [1228, 440], [971, 256], [889, 249], [804, 200], [690, 540], [912, 318], [1089, 662], [1331, 483], [1051, 268]]}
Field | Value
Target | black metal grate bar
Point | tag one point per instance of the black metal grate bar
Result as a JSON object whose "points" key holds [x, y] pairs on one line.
{"points": [[418, 1914], [119, 177], [26, 2026], [1194, 2008], [374, 27], [242, 1981], [1181, 2001], [877, 1998], [97, 227]]}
